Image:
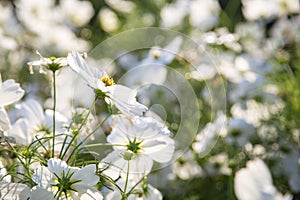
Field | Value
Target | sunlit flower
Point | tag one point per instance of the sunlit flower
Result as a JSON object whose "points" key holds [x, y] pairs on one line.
{"points": [[34, 123], [104, 86], [51, 63], [68, 182], [255, 183], [139, 141]]}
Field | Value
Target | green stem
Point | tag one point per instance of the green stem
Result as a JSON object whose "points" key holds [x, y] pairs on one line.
{"points": [[124, 196], [54, 110], [104, 120], [131, 190], [78, 130], [230, 188]]}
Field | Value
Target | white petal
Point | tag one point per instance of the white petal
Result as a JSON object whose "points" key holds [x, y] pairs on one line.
{"points": [[245, 187], [20, 132], [90, 194], [42, 177], [86, 175], [163, 155], [41, 193], [4, 120], [10, 92], [89, 74], [57, 166], [124, 99], [32, 111], [17, 191]]}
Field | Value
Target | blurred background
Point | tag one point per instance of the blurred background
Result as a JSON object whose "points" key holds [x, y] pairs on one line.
{"points": [[254, 56]]}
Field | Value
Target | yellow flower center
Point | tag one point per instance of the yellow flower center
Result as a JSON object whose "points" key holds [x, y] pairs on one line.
{"points": [[108, 81], [52, 58], [156, 54]]}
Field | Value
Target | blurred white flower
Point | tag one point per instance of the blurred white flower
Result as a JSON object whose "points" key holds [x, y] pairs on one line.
{"points": [[239, 132], [152, 69], [186, 167], [43, 24], [254, 112], [108, 20], [35, 14], [139, 142], [204, 14], [256, 9], [121, 96], [291, 163], [173, 14], [77, 13], [208, 136], [285, 31], [68, 182], [255, 183], [216, 165], [121, 5]]}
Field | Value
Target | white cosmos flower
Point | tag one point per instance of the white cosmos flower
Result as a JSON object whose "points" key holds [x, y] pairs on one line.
{"points": [[255, 183], [121, 96], [51, 63], [68, 182], [238, 132], [209, 134], [34, 120], [139, 141], [10, 92]]}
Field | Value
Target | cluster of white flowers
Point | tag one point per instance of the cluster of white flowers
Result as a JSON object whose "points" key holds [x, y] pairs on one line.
{"points": [[76, 133], [50, 142]]}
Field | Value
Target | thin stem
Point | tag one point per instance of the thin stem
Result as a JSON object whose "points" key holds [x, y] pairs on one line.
{"points": [[131, 190], [126, 182], [104, 120], [78, 130], [54, 109]]}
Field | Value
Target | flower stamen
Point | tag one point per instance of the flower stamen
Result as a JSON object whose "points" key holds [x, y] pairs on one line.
{"points": [[108, 81]]}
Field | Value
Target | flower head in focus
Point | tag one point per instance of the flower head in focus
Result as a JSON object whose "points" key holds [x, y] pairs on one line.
{"points": [[68, 182], [140, 141], [104, 86], [52, 63]]}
